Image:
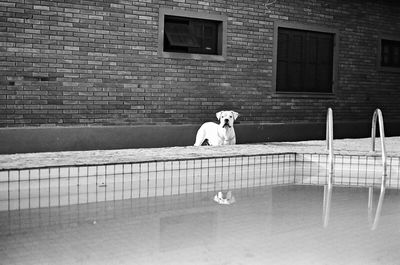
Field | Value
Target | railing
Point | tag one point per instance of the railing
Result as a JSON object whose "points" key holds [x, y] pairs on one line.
{"points": [[377, 116], [328, 186]]}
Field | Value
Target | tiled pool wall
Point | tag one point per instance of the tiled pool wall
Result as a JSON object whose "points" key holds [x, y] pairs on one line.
{"points": [[58, 186], [71, 185], [349, 170]]}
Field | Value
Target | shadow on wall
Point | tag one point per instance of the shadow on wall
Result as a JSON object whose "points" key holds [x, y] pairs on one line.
{"points": [[27, 140]]}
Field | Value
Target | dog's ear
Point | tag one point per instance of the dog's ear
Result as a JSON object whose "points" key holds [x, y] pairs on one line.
{"points": [[218, 114], [235, 115]]}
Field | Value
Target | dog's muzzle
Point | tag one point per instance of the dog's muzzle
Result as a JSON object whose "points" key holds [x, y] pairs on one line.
{"points": [[226, 124]]}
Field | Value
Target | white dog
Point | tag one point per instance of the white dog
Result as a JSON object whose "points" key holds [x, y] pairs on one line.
{"points": [[223, 133]]}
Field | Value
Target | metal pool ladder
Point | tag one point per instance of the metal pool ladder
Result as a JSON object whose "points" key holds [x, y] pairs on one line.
{"points": [[328, 186], [377, 116]]}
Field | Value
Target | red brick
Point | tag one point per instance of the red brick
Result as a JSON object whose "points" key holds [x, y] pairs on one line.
{"points": [[104, 58]]}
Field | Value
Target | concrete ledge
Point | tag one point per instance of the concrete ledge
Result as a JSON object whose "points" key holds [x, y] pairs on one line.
{"points": [[53, 139]]}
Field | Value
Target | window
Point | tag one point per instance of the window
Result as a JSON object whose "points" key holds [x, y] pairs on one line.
{"points": [[188, 35], [304, 61], [389, 54]]}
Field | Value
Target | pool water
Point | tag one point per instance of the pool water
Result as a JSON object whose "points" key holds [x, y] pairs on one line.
{"points": [[266, 225]]}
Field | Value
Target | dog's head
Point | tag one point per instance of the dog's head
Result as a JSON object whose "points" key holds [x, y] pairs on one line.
{"points": [[226, 118]]}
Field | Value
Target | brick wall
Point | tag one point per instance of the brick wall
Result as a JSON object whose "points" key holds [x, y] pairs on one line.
{"points": [[96, 63]]}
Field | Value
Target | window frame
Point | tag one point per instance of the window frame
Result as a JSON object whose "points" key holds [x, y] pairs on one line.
{"points": [[379, 57], [222, 33], [304, 27]]}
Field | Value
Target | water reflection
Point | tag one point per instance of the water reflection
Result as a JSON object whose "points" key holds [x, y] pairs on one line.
{"points": [[374, 213], [279, 225], [374, 218], [326, 204]]}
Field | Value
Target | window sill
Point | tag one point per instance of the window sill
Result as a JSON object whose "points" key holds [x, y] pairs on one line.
{"points": [[191, 56], [389, 69], [303, 95]]}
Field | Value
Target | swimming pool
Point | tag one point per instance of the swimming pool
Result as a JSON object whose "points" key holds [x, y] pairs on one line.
{"points": [[55, 186], [162, 212], [267, 225]]}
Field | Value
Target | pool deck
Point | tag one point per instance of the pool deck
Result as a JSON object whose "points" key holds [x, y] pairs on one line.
{"points": [[341, 146]]}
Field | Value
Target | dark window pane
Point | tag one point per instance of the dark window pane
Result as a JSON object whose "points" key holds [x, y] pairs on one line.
{"points": [[281, 76], [324, 49], [210, 37], [305, 61], [179, 35], [390, 53], [310, 78], [283, 49], [311, 50], [396, 56], [296, 48], [295, 80], [324, 77], [190, 35]]}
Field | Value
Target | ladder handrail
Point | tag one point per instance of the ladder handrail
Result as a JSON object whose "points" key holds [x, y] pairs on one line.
{"points": [[329, 144], [377, 116], [329, 147]]}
